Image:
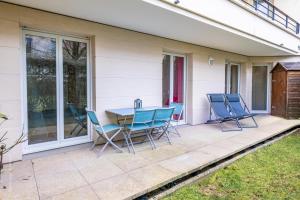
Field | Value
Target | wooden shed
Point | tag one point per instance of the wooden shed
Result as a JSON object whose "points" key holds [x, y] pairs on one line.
{"points": [[286, 90]]}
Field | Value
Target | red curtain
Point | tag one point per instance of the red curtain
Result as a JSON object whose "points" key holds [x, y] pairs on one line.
{"points": [[178, 80]]}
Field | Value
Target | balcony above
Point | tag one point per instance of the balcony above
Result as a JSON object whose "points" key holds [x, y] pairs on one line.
{"points": [[197, 22], [271, 12]]}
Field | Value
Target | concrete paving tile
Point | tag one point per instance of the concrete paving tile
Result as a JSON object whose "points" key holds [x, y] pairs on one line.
{"points": [[231, 145], [83, 193], [21, 170], [57, 183], [19, 190], [216, 151], [162, 153], [152, 176], [248, 140], [53, 164], [191, 143], [186, 163], [119, 187], [128, 162], [204, 158], [96, 169]]}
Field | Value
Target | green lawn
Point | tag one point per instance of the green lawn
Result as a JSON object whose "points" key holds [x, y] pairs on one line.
{"points": [[272, 172]]}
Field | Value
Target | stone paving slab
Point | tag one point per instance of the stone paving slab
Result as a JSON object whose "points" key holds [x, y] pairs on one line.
{"points": [[80, 174]]}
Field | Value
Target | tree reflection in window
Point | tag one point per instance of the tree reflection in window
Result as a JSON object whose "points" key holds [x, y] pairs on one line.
{"points": [[75, 87]]}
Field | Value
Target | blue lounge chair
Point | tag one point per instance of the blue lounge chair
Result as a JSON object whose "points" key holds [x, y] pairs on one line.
{"points": [[142, 121], [78, 118], [240, 109], [178, 111], [161, 121], [103, 132], [221, 112]]}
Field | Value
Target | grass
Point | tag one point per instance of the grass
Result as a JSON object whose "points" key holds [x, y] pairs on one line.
{"points": [[272, 172]]}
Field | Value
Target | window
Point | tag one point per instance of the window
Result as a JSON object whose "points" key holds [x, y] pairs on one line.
{"points": [[232, 78]]}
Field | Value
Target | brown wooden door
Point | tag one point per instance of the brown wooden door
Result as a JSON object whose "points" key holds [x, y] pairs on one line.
{"points": [[279, 87]]}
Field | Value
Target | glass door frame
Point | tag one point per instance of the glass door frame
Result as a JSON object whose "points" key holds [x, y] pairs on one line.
{"points": [[172, 55], [228, 76], [269, 84], [61, 141]]}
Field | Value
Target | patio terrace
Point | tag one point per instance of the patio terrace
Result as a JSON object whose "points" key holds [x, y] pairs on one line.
{"points": [[79, 174]]}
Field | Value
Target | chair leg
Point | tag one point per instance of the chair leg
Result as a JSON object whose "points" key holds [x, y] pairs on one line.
{"points": [[78, 132], [175, 129], [256, 125], [168, 137], [227, 130], [110, 140], [177, 132], [251, 126], [126, 140], [71, 133], [95, 142], [151, 139], [131, 143], [102, 149]]}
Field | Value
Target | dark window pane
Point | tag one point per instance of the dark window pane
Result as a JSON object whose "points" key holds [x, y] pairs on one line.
{"points": [[41, 89], [75, 88], [259, 87]]}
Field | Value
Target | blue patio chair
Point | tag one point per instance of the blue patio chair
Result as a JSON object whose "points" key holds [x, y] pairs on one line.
{"points": [[161, 121], [178, 111], [103, 132], [141, 122], [80, 119], [240, 109], [220, 110]]}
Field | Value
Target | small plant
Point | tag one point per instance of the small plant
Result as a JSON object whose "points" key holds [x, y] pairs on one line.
{"points": [[3, 146]]}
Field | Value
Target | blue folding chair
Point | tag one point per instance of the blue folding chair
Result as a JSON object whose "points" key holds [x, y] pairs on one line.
{"points": [[78, 118], [141, 122], [222, 112], [103, 132], [240, 109], [178, 111], [161, 121]]}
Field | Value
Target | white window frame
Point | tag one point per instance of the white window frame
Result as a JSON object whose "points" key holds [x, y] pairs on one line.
{"points": [[172, 55], [61, 141], [269, 85]]}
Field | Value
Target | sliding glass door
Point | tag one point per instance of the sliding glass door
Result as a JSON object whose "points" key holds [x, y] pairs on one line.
{"points": [[173, 83], [57, 90]]}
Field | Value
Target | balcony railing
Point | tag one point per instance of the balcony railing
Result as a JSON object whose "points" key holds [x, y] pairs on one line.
{"points": [[274, 13]]}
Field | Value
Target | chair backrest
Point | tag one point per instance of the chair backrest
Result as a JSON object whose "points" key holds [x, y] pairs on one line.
{"points": [[218, 105], [73, 110], [234, 101], [163, 114], [93, 118], [178, 108], [143, 116]]}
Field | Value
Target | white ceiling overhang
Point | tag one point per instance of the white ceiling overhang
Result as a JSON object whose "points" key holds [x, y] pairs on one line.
{"points": [[162, 20]]}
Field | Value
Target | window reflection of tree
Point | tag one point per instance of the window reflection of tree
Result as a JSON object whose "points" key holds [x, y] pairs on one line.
{"points": [[75, 71], [41, 72]]}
